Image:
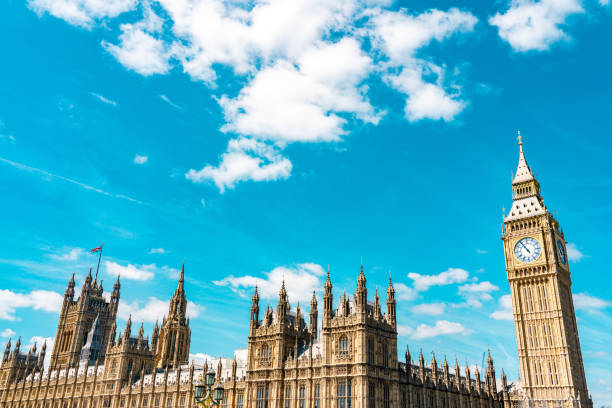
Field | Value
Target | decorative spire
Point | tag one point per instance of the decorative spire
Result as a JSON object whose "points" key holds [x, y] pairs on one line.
{"points": [[523, 172], [128, 328]]}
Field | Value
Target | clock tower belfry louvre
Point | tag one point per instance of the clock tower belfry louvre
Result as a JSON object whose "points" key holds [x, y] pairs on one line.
{"points": [[552, 372]]}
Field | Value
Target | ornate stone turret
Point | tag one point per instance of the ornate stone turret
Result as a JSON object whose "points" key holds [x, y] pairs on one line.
{"points": [[422, 366], [283, 305], [7, 351], [255, 310], [41, 356], [69, 294], [391, 315], [328, 298], [314, 315], [175, 335], [361, 294], [128, 328], [434, 368], [155, 337], [490, 382], [377, 312]]}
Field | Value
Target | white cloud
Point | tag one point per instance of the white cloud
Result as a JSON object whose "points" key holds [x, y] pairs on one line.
{"points": [[152, 310], [245, 159], [38, 300], [158, 251], [400, 35], [139, 49], [583, 301], [299, 70], [480, 291], [132, 272], [300, 102], [450, 276], [199, 359], [505, 309], [404, 292], [138, 159], [426, 100], [442, 327], [434, 309], [573, 253], [404, 330], [7, 333], [68, 254], [300, 281], [103, 99], [81, 12], [481, 251], [532, 25]]}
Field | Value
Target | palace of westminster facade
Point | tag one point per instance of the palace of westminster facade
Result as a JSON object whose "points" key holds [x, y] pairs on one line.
{"points": [[351, 361]]}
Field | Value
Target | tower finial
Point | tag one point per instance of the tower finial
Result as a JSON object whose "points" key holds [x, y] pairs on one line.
{"points": [[520, 139]]}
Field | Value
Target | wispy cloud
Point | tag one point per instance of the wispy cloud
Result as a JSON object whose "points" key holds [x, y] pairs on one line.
{"points": [[504, 312], [450, 276], [68, 254], [583, 301], [169, 102], [44, 300], [441, 328], [153, 309], [129, 271], [7, 333], [47, 174], [535, 25], [433, 309], [140, 159], [300, 281], [158, 251], [103, 99], [573, 253]]}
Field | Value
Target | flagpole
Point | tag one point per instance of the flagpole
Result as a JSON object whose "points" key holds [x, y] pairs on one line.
{"points": [[99, 258]]}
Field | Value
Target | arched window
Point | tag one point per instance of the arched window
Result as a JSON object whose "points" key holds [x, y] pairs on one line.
{"points": [[265, 353], [344, 394], [343, 345]]}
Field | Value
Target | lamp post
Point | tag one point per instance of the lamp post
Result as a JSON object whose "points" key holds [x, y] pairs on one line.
{"points": [[206, 395]]}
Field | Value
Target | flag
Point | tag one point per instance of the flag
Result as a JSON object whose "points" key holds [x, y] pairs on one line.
{"points": [[98, 249]]}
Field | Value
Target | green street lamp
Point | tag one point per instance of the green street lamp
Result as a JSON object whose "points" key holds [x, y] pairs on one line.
{"points": [[206, 395]]}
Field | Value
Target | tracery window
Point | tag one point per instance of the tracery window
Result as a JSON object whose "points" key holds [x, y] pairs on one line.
{"points": [[317, 396], [302, 397], [344, 394], [386, 396], [371, 395], [371, 351], [343, 346], [385, 353], [288, 396], [265, 353], [262, 396], [239, 399]]}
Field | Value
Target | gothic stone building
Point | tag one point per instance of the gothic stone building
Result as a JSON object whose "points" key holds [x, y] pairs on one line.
{"points": [[351, 361]]}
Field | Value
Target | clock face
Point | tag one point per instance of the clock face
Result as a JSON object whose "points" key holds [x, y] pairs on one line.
{"points": [[562, 252], [527, 250]]}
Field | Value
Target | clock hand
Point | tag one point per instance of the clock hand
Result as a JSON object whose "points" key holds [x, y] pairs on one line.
{"points": [[526, 249]]}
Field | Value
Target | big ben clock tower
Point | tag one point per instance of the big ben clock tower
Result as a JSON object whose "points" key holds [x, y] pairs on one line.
{"points": [[552, 372]]}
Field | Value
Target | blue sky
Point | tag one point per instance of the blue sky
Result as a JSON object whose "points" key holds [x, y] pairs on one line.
{"points": [[257, 140]]}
